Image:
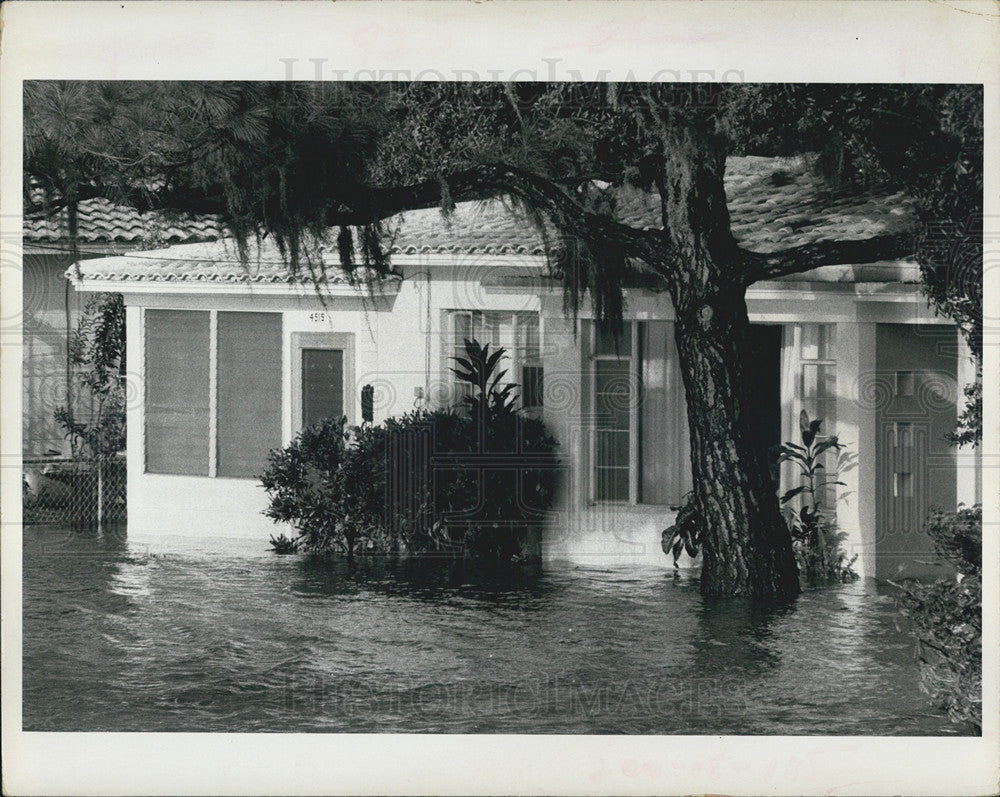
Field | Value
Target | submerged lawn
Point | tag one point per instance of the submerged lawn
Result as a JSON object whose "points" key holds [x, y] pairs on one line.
{"points": [[120, 639]]}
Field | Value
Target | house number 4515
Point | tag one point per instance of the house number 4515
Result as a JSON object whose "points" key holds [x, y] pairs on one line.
{"points": [[317, 318]]}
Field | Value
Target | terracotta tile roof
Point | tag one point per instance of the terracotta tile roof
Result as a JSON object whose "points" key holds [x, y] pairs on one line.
{"points": [[774, 204], [100, 221], [214, 262]]}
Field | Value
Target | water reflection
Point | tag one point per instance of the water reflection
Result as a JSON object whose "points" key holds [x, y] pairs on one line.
{"points": [[118, 638], [425, 578], [736, 633]]}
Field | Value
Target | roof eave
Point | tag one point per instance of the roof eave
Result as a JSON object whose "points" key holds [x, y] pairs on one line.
{"points": [[225, 288]]}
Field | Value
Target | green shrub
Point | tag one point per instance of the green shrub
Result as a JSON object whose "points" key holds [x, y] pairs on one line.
{"points": [[958, 537], [305, 486], [969, 430], [282, 544], [816, 540], [94, 417], [947, 617], [472, 481], [684, 535]]}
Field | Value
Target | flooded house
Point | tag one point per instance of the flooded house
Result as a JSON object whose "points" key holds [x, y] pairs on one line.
{"points": [[227, 361]]}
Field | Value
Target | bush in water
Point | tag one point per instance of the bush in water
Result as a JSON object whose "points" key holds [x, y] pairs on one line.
{"points": [[947, 615], [474, 480]]}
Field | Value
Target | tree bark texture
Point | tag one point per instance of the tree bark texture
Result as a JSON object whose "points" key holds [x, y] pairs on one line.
{"points": [[746, 545]]}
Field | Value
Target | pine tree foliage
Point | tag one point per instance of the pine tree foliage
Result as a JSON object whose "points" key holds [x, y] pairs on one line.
{"points": [[293, 160]]}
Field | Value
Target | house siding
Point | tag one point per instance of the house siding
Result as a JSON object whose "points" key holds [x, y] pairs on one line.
{"points": [[399, 344]]}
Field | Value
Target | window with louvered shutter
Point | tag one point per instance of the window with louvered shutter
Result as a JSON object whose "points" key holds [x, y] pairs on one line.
{"points": [[249, 391], [177, 390]]}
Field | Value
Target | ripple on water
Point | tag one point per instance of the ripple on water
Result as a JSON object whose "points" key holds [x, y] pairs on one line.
{"points": [[205, 642]]}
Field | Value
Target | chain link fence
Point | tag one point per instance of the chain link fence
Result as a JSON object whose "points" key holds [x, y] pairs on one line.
{"points": [[79, 493]]}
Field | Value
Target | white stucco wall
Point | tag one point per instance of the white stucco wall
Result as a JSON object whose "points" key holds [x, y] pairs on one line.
{"points": [[400, 346]]}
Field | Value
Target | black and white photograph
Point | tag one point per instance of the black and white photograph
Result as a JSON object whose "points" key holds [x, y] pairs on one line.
{"points": [[540, 405]]}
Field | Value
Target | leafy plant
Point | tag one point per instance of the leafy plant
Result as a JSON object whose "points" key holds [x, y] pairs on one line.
{"points": [[684, 534], [94, 418], [471, 483], [958, 537], [306, 486], [282, 544], [479, 369], [969, 430], [947, 617], [815, 538]]}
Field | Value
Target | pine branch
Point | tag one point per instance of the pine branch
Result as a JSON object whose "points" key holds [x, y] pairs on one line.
{"points": [[359, 205]]}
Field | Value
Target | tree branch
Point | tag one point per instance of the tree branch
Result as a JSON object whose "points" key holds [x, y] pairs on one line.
{"points": [[143, 201], [370, 204], [359, 205], [761, 266]]}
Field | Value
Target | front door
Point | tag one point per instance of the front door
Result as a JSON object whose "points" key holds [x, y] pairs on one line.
{"points": [[762, 372], [322, 378], [915, 462], [322, 385]]}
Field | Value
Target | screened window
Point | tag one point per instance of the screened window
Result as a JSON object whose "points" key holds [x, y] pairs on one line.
{"points": [[193, 355], [517, 333], [613, 397], [818, 385], [249, 391], [177, 391]]}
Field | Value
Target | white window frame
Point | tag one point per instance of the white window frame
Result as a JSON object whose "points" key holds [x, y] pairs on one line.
{"points": [[790, 475], [635, 383], [514, 363], [335, 341]]}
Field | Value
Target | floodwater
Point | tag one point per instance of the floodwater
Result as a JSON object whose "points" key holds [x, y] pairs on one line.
{"points": [[120, 639]]}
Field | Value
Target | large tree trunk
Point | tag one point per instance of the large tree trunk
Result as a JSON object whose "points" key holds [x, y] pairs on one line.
{"points": [[746, 546]]}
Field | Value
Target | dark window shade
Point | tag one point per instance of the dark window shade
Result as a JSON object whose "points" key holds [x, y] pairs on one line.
{"points": [[177, 379], [322, 385], [532, 386], [605, 343], [249, 392]]}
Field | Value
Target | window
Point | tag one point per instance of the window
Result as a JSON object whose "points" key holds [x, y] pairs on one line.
{"points": [[249, 391], [817, 390], [518, 333], [614, 394], [213, 392], [635, 401], [177, 391]]}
